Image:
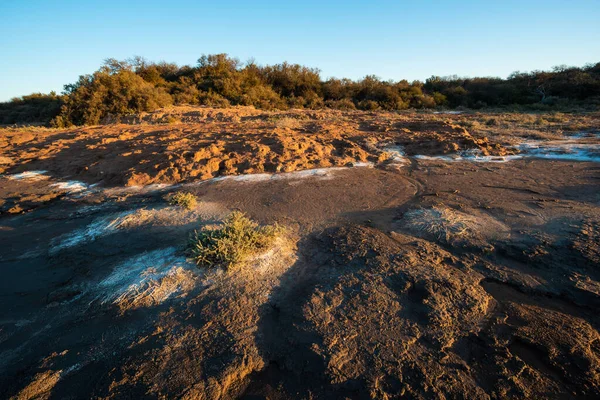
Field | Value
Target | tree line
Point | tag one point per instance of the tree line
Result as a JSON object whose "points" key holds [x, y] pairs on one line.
{"points": [[135, 85]]}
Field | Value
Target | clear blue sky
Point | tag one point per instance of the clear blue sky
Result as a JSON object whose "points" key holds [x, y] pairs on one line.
{"points": [[45, 44]]}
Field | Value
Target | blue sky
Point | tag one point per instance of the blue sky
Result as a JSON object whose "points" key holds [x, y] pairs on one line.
{"points": [[45, 44]]}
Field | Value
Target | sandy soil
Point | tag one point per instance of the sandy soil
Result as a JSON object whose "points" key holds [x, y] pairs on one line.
{"points": [[224, 142], [462, 274]]}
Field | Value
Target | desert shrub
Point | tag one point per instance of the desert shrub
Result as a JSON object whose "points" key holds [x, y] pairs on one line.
{"points": [[343, 104], [295, 102], [33, 108], [232, 243], [313, 100], [220, 76], [422, 101], [159, 74], [60, 121], [183, 199], [95, 97], [261, 96], [213, 99], [457, 96], [184, 91], [136, 85], [440, 99], [390, 95], [293, 80], [368, 105], [338, 89]]}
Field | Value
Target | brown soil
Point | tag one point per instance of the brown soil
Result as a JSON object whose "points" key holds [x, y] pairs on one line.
{"points": [[432, 280], [212, 142]]}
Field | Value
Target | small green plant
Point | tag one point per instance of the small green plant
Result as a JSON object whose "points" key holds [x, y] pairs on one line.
{"points": [[232, 242], [183, 199]]}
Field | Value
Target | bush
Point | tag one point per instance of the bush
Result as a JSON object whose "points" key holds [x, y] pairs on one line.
{"points": [[34, 108], [103, 94], [313, 100], [213, 99], [293, 80], [183, 199], [368, 105], [184, 91], [440, 99], [132, 86], [344, 104], [261, 96], [237, 239]]}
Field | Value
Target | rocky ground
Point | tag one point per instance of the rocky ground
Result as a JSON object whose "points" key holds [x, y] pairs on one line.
{"points": [[427, 256]]}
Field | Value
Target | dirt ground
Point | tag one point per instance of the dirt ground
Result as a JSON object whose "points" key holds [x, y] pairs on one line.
{"points": [[427, 256]]}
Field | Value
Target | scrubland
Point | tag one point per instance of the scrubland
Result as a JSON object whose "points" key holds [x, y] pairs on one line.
{"points": [[206, 252]]}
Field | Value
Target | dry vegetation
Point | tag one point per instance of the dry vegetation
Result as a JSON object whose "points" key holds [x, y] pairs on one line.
{"points": [[232, 243], [183, 199], [211, 142]]}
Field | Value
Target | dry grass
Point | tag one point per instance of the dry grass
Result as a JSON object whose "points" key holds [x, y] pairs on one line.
{"points": [[287, 122], [512, 126], [232, 243], [444, 224], [153, 290], [28, 128], [449, 226], [41, 386]]}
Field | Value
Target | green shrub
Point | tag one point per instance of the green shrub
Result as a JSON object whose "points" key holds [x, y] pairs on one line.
{"points": [[313, 100], [263, 97], [213, 99], [136, 85], [344, 104], [295, 102], [33, 108], [368, 105], [440, 99], [103, 94], [183, 199], [232, 243], [293, 80], [184, 91]]}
